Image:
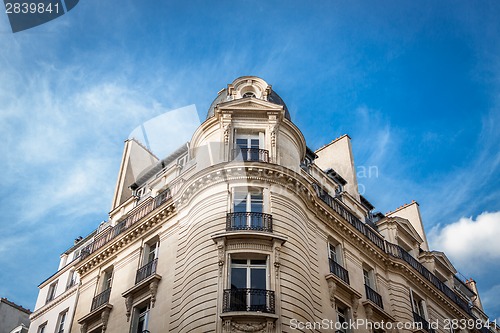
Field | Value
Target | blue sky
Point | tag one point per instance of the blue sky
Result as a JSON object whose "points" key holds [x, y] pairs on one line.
{"points": [[416, 84]]}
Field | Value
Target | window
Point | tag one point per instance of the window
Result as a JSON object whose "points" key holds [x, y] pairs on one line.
{"points": [[248, 207], [368, 278], [141, 318], [342, 318], [335, 260], [52, 292], [249, 94], [248, 281], [248, 147], [76, 254], [106, 279], [149, 261], [418, 305], [61, 321], [334, 252], [71, 279], [41, 328]]}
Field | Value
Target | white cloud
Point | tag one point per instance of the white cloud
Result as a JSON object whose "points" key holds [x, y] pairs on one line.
{"points": [[472, 244]]}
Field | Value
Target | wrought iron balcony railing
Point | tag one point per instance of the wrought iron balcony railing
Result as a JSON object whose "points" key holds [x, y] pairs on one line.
{"points": [[373, 296], [338, 270], [146, 270], [100, 299], [133, 217], [391, 249], [424, 323], [249, 221], [251, 154], [246, 299]]}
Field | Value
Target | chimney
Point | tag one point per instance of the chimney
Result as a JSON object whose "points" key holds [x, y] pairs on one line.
{"points": [[472, 286]]}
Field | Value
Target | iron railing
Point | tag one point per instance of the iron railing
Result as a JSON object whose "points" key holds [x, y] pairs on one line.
{"points": [[248, 299], [146, 271], [133, 217], [338, 270], [251, 154], [249, 221], [423, 322], [100, 299], [373, 296], [392, 249]]}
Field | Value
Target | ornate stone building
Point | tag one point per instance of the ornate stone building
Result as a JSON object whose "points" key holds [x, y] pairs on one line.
{"points": [[246, 229]]}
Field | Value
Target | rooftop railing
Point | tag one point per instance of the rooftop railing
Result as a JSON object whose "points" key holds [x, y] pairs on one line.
{"points": [[133, 217], [392, 249]]}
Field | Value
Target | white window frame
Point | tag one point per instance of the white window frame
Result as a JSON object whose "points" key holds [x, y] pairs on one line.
{"points": [[137, 316], [346, 313], [42, 328], [335, 248], [369, 276], [418, 305], [61, 320], [248, 266], [51, 294], [106, 279], [147, 252]]}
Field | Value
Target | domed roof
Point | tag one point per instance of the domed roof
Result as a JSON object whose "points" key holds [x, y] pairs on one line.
{"points": [[247, 84]]}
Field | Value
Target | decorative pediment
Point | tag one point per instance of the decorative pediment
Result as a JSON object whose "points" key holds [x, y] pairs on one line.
{"points": [[252, 104]]}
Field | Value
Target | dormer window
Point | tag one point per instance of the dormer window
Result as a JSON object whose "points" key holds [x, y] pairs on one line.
{"points": [[249, 94]]}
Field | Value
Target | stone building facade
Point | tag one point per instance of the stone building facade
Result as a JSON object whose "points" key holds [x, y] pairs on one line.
{"points": [[246, 229]]}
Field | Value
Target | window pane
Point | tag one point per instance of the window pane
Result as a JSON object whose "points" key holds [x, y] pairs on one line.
{"points": [[258, 278], [239, 261], [238, 278], [242, 143], [258, 262], [240, 202]]}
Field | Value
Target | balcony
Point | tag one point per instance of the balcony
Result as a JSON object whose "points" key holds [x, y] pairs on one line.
{"points": [[374, 297], [146, 280], [101, 299], [391, 249], [146, 271], [249, 221], [424, 324], [251, 154], [339, 271], [248, 300]]}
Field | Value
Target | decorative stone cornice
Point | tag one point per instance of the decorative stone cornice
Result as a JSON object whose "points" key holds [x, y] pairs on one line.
{"points": [[147, 223], [47, 307]]}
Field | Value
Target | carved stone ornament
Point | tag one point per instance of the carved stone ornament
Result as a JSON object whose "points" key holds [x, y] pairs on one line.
{"points": [[274, 130], [332, 288], [83, 327], [153, 288], [226, 326], [369, 312], [227, 130], [355, 305], [249, 327], [104, 319], [128, 305], [277, 263], [221, 254]]}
